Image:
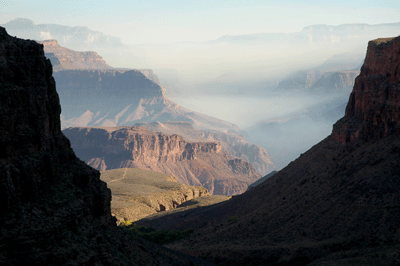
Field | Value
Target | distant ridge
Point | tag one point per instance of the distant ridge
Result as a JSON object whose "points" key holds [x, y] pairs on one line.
{"points": [[63, 58], [314, 34]]}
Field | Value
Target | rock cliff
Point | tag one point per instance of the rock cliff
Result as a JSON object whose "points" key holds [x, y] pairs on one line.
{"points": [[89, 98], [192, 163], [55, 210], [335, 81], [320, 81], [373, 108], [231, 143], [63, 58], [337, 204]]}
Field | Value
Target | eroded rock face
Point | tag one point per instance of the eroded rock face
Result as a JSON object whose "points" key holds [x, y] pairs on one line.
{"points": [[192, 163], [373, 108], [54, 208], [63, 58], [231, 143], [335, 81]]}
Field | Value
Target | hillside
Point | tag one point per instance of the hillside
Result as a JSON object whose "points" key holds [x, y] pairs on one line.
{"points": [[138, 193], [337, 204], [192, 163]]}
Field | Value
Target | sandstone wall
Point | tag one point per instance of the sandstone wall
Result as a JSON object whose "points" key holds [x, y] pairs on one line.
{"points": [[372, 111], [192, 163]]}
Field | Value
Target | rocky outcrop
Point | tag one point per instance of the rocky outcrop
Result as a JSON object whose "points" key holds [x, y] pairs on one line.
{"points": [[104, 84], [335, 81], [150, 75], [89, 98], [337, 204], [138, 193], [232, 143], [303, 79], [373, 108], [319, 81], [192, 163], [335, 75], [63, 58], [54, 209]]}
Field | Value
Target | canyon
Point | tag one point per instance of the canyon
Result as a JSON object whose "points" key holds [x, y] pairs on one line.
{"points": [[192, 163], [337, 204], [89, 88]]}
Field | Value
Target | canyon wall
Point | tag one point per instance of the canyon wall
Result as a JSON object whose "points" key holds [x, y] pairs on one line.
{"points": [[373, 108], [54, 208], [192, 163], [63, 58], [232, 143]]}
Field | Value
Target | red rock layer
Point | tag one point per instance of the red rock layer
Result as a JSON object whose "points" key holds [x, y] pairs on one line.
{"points": [[192, 163], [373, 110]]}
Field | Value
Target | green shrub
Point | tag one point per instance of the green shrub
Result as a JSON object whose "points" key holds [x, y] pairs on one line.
{"points": [[126, 223]]}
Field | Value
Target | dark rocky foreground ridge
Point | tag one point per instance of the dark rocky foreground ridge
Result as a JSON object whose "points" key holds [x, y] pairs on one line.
{"points": [[337, 204], [54, 208]]}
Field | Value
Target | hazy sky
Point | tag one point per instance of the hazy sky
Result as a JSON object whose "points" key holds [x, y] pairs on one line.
{"points": [[159, 21]]}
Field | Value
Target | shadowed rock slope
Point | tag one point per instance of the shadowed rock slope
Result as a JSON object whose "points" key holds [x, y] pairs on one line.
{"points": [[54, 209], [192, 163], [337, 204]]}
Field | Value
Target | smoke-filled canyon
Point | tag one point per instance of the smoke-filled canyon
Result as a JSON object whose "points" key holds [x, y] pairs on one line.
{"points": [[199, 133]]}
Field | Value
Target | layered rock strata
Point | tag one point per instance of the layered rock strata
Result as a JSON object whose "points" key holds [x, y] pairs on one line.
{"points": [[231, 143], [54, 209], [63, 58], [373, 109], [192, 163]]}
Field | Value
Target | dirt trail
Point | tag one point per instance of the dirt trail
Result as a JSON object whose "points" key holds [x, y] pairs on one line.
{"points": [[123, 176]]}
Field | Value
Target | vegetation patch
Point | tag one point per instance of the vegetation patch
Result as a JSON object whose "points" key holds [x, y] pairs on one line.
{"points": [[157, 236]]}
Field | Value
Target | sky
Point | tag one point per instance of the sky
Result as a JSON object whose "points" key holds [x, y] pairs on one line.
{"points": [[156, 21]]}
